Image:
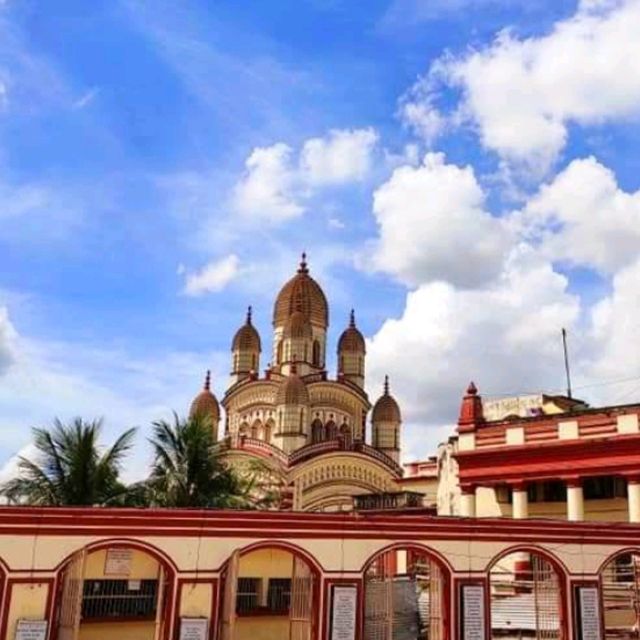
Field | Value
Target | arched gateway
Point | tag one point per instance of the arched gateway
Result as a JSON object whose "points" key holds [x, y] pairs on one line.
{"points": [[269, 592]]}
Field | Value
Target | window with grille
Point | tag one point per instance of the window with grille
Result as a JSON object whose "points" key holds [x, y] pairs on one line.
{"points": [[604, 487], [113, 599], [279, 595], [248, 595]]}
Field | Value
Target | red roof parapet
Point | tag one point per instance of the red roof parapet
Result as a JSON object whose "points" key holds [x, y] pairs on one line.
{"points": [[471, 410]]}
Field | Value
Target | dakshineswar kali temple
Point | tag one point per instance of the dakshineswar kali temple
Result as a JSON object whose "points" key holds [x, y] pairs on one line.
{"points": [[534, 479], [307, 428]]}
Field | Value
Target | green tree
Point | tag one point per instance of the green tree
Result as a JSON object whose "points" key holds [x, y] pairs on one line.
{"points": [[71, 468], [188, 470]]}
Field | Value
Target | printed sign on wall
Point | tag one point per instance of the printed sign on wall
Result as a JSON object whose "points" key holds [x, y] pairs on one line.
{"points": [[194, 628], [118, 562], [31, 630], [343, 613], [588, 613], [473, 619]]}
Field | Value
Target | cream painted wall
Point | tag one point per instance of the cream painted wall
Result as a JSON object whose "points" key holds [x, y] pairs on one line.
{"points": [[196, 600], [117, 631], [27, 601]]}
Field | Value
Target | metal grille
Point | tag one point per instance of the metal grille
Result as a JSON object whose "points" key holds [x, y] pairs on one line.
{"points": [[279, 595], [525, 599], [71, 598], [302, 605], [407, 606], [105, 599], [621, 598], [248, 594]]}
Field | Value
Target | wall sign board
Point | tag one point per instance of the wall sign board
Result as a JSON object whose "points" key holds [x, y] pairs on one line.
{"points": [[118, 562], [31, 630], [194, 628], [473, 615], [587, 603], [343, 612]]}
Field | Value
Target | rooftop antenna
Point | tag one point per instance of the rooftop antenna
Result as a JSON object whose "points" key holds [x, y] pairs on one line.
{"points": [[566, 361]]}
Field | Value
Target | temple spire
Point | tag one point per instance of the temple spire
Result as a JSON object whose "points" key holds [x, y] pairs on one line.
{"points": [[207, 381], [352, 318], [386, 385], [249, 314], [303, 268]]}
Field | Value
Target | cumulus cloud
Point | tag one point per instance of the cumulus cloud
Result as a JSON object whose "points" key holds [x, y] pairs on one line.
{"points": [[505, 335], [344, 155], [277, 182], [213, 277], [265, 192], [522, 94], [8, 338], [433, 226], [504, 331], [584, 218]]}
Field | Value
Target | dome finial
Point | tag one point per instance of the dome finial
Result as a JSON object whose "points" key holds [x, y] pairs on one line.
{"points": [[249, 314], [386, 385], [352, 318], [207, 381], [303, 263], [472, 390]]}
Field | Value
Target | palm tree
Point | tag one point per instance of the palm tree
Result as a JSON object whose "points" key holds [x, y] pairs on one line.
{"points": [[188, 470], [71, 469]]}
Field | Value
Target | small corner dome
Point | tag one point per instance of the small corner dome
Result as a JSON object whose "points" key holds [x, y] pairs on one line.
{"points": [[205, 404], [386, 408], [351, 339], [292, 391], [297, 326], [247, 337]]}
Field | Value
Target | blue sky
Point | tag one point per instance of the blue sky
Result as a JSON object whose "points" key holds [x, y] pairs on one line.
{"points": [[462, 172]]}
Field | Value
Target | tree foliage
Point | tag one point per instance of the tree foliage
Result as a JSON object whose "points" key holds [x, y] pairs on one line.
{"points": [[70, 468]]}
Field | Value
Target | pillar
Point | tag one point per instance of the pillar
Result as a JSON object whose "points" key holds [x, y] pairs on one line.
{"points": [[468, 501], [633, 498], [520, 501], [575, 500]]}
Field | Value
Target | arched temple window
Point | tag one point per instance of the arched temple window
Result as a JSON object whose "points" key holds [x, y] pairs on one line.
{"points": [[317, 431], [316, 353]]}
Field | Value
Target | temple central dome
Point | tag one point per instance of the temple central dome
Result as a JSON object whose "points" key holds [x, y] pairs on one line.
{"points": [[302, 293]]}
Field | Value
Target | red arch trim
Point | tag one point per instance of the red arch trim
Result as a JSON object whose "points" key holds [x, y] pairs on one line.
{"points": [[557, 564], [614, 555], [416, 546]]}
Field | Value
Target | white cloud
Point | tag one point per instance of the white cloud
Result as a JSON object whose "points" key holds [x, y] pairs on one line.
{"points": [[276, 184], [584, 218], [344, 155], [266, 190], [417, 111], [616, 329], [86, 99], [504, 335], [213, 277], [433, 226], [8, 337], [522, 94]]}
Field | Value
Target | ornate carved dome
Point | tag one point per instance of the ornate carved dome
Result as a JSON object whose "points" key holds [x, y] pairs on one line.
{"points": [[386, 409], [292, 390], [297, 326], [246, 338], [301, 293], [351, 338], [205, 405]]}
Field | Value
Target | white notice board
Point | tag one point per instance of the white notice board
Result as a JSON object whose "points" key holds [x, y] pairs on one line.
{"points": [[343, 612], [194, 628], [589, 613], [31, 630], [118, 562], [473, 613]]}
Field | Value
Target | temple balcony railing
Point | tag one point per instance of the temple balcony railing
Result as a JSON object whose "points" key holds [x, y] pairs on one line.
{"points": [[264, 449]]}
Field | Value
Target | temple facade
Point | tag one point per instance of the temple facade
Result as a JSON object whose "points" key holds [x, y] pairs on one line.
{"points": [[303, 428]]}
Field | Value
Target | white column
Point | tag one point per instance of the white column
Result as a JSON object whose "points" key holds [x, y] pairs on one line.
{"points": [[520, 501], [468, 502], [633, 497], [575, 501]]}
